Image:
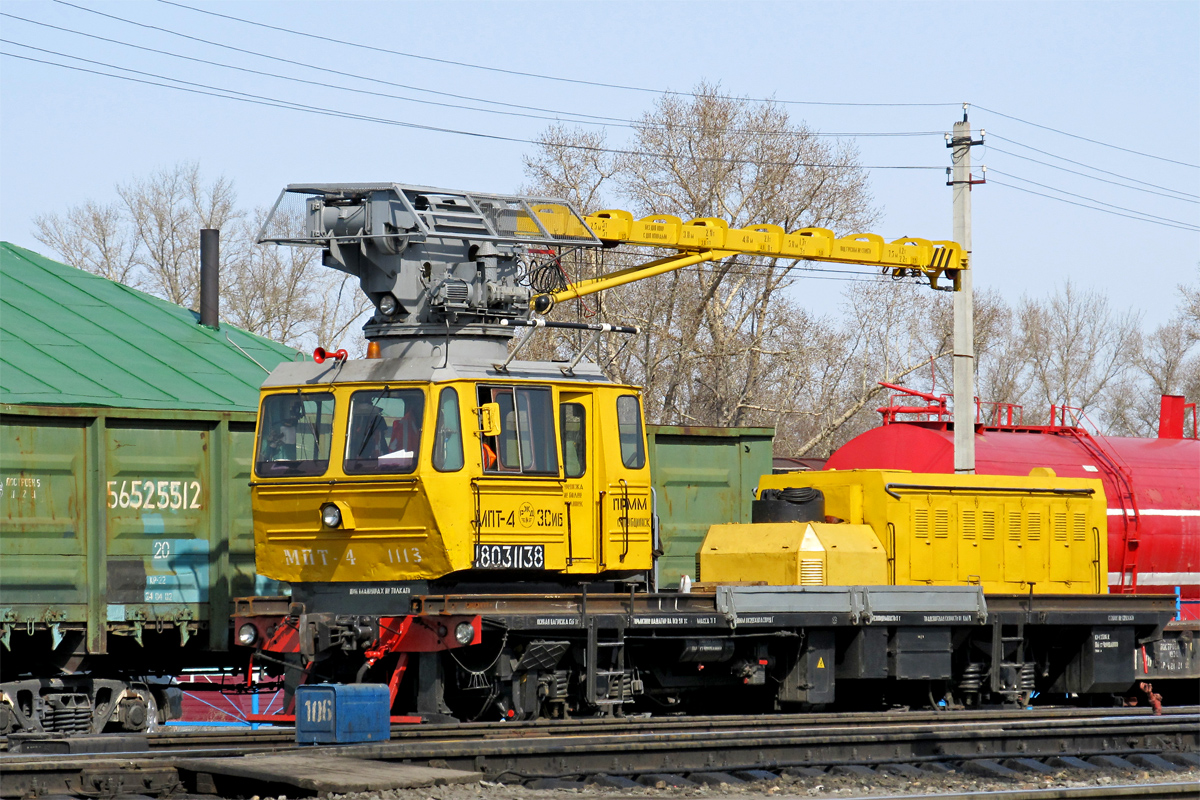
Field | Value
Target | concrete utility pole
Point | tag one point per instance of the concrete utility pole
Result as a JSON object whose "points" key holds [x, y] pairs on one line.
{"points": [[964, 302]]}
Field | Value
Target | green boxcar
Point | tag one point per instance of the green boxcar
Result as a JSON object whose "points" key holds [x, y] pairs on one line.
{"points": [[122, 521], [126, 434], [702, 476], [117, 521]]}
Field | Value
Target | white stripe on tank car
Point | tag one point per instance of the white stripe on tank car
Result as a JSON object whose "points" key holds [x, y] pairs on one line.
{"points": [[1159, 578], [1157, 512]]}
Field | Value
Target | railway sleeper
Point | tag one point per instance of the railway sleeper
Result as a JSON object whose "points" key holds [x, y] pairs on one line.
{"points": [[95, 777]]}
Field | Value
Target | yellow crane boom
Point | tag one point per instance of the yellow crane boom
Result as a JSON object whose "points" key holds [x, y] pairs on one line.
{"points": [[709, 239]]}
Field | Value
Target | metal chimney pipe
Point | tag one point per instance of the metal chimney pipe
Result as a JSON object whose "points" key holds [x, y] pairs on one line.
{"points": [[210, 277]]}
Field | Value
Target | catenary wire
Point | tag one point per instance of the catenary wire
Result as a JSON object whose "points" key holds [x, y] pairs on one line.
{"points": [[321, 69], [329, 112], [291, 78], [231, 94], [612, 121], [600, 118], [304, 107], [519, 73], [248, 98], [1087, 166], [1090, 199], [1093, 208], [642, 88], [1084, 138], [1092, 177]]}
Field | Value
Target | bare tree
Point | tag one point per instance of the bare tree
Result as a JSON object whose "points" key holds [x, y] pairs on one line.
{"points": [[285, 294], [573, 164], [713, 339], [149, 239], [95, 238], [1162, 364], [167, 210], [1078, 349], [1191, 306], [889, 331]]}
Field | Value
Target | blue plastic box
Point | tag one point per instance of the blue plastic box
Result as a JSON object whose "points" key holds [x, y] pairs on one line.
{"points": [[331, 713]]}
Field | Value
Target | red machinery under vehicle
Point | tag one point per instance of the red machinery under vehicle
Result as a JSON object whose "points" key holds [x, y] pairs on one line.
{"points": [[1152, 485]]}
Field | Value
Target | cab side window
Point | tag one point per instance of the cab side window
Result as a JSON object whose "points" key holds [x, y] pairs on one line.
{"points": [[572, 421], [526, 444], [629, 428], [448, 443]]}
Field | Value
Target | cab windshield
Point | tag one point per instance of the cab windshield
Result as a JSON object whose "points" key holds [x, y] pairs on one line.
{"points": [[384, 431], [294, 435]]}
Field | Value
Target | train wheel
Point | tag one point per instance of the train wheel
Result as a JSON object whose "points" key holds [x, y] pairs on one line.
{"points": [[152, 723]]}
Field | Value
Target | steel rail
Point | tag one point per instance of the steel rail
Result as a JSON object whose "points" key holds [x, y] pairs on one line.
{"points": [[168, 737], [1141, 791], [550, 751], [246, 739]]}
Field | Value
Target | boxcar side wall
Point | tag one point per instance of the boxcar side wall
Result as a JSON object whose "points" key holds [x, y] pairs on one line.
{"points": [[702, 476], [120, 521]]}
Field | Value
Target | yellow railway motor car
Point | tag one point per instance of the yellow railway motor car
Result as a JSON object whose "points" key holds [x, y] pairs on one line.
{"points": [[440, 457]]}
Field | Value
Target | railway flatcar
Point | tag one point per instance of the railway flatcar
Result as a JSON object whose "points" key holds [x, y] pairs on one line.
{"points": [[441, 457], [440, 443]]}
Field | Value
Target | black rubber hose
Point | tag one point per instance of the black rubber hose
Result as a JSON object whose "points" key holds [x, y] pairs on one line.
{"points": [[799, 494]]}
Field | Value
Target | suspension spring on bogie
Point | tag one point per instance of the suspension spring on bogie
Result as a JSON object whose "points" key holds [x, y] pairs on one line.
{"points": [[972, 678]]}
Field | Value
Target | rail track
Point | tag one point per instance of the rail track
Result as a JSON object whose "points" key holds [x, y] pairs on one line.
{"points": [[1172, 790], [618, 753]]}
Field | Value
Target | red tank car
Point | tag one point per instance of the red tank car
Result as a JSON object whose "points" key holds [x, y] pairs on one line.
{"points": [[1152, 485]]}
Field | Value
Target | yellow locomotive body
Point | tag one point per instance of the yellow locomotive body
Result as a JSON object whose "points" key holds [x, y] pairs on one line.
{"points": [[1011, 534], [383, 470]]}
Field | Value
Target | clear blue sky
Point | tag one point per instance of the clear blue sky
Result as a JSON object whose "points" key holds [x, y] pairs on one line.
{"points": [[1125, 73]]}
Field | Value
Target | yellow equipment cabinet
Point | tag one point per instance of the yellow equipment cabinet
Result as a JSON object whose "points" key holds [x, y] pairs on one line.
{"points": [[793, 554], [364, 480], [1008, 534]]}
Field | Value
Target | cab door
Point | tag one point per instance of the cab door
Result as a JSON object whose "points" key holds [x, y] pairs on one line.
{"points": [[625, 522], [576, 432], [519, 503]]}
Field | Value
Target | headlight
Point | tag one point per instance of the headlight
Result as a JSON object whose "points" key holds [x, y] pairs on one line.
{"points": [[464, 633], [247, 635], [331, 516], [388, 305]]}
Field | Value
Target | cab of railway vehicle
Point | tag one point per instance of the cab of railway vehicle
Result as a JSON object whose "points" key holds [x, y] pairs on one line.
{"points": [[408, 469]]}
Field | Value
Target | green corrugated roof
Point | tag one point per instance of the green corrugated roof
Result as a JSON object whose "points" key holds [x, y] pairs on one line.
{"points": [[68, 337]]}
